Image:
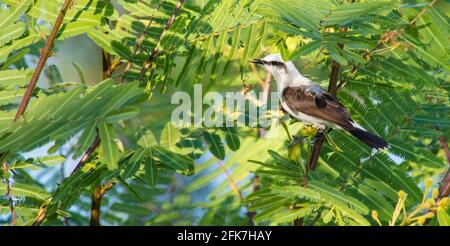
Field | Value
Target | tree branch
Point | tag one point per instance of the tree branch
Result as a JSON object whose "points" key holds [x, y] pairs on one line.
{"points": [[320, 137], [95, 206], [87, 154], [97, 201], [148, 63], [45, 53]]}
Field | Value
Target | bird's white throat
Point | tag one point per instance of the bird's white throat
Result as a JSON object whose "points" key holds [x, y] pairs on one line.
{"points": [[289, 77]]}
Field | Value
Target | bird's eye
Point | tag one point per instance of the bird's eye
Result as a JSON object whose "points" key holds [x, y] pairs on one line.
{"points": [[276, 63]]}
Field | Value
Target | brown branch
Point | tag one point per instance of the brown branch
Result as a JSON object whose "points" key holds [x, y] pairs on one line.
{"points": [[424, 10], [320, 137], [45, 53], [148, 63], [97, 196], [87, 154], [95, 207]]}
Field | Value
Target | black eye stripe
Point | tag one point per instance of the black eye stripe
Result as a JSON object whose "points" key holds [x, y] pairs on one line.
{"points": [[277, 63], [274, 63]]}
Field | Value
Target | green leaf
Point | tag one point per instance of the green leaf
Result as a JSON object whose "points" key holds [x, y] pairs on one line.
{"points": [[11, 96], [174, 160], [335, 53], [38, 162], [232, 141], [54, 75], [134, 163], [296, 191], [147, 140], [26, 190], [110, 154], [80, 72], [12, 14], [130, 189], [335, 196], [86, 139], [11, 32], [283, 50], [169, 136], [345, 13], [215, 144], [305, 49], [443, 217], [247, 47], [122, 114], [151, 172], [10, 78]]}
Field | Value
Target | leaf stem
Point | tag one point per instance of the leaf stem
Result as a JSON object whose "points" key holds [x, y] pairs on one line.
{"points": [[424, 10]]}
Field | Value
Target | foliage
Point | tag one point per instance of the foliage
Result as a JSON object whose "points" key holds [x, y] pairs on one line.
{"points": [[394, 69]]}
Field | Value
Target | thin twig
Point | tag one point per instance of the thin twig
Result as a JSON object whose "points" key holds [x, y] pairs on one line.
{"points": [[87, 154], [148, 63], [319, 213], [424, 10], [45, 53]]}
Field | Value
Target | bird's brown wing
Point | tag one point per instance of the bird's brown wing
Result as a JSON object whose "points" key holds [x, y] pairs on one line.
{"points": [[324, 106]]}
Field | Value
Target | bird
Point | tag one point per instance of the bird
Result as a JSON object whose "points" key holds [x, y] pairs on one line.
{"points": [[306, 101]]}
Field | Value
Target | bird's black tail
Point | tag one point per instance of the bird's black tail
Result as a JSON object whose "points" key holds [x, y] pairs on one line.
{"points": [[368, 138]]}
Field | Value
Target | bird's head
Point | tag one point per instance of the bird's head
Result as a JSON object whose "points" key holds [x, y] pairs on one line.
{"points": [[275, 65]]}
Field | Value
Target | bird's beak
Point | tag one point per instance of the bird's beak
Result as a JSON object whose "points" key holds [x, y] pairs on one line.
{"points": [[257, 61]]}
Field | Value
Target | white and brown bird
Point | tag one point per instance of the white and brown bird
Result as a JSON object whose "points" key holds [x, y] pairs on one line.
{"points": [[306, 101]]}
